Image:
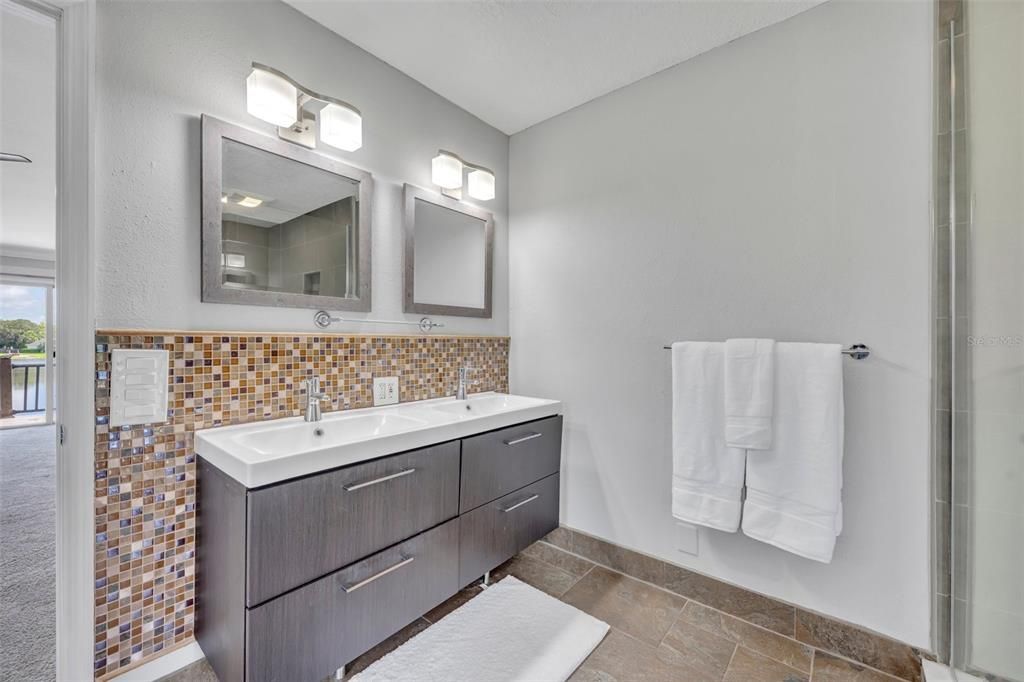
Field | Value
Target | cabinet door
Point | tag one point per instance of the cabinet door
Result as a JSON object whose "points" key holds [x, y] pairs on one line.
{"points": [[301, 530], [498, 531], [496, 463], [309, 633]]}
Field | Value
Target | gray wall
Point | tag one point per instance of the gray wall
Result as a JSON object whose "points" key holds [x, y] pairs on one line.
{"points": [[162, 64], [777, 186]]}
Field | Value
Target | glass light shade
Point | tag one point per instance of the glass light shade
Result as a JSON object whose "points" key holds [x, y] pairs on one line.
{"points": [[446, 171], [341, 127], [481, 185], [250, 202], [271, 98]]}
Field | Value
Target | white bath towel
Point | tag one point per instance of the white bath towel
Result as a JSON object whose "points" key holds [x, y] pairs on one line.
{"points": [[749, 385], [707, 477], [794, 489]]}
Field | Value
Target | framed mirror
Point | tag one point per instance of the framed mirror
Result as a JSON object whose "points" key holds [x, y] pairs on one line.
{"points": [[449, 253], [282, 225]]}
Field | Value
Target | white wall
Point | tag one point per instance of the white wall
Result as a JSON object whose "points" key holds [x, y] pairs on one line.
{"points": [[162, 64], [777, 186]]}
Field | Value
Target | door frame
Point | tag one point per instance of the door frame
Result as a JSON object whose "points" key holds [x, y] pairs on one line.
{"points": [[74, 330]]}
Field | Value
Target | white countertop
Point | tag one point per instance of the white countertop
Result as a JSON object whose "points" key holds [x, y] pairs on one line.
{"points": [[266, 452]]}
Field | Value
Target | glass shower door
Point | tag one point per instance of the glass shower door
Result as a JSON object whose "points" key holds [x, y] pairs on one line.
{"points": [[988, 357]]}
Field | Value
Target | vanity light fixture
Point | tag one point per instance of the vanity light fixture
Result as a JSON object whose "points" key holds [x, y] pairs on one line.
{"points": [[341, 127], [271, 97], [481, 184], [301, 115], [446, 170]]}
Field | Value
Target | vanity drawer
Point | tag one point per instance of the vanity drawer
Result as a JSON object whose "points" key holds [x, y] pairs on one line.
{"points": [[498, 531], [496, 463], [303, 529], [309, 633]]}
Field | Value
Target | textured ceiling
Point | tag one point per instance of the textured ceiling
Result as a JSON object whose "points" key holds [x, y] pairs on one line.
{"points": [[517, 63], [28, 105]]}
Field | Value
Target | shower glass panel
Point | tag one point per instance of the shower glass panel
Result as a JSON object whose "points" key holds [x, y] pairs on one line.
{"points": [[988, 354]]}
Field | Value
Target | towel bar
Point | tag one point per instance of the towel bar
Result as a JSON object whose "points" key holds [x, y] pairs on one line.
{"points": [[857, 351]]}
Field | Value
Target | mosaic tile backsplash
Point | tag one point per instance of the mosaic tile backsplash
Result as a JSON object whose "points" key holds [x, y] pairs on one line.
{"points": [[145, 475]]}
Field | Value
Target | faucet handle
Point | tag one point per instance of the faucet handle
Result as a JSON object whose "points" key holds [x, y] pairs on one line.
{"points": [[464, 375], [312, 386]]}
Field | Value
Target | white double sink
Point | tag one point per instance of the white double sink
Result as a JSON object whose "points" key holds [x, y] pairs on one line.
{"points": [[267, 452]]}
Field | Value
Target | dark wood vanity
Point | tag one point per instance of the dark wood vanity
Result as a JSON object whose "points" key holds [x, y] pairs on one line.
{"points": [[297, 578]]}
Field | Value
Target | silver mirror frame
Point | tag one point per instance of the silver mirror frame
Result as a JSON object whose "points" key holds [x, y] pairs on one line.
{"points": [[411, 194], [213, 290]]}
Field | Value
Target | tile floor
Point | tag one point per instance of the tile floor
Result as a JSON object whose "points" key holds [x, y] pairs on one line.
{"points": [[655, 635]]}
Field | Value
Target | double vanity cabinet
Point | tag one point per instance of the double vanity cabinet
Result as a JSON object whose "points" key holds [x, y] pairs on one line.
{"points": [[297, 577]]}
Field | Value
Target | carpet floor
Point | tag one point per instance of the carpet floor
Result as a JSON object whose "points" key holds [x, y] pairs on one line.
{"points": [[27, 554]]}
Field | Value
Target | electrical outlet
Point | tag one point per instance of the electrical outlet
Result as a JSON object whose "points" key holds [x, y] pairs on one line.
{"points": [[686, 538], [385, 390]]}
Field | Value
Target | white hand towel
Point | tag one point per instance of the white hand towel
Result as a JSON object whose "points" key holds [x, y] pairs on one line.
{"points": [[749, 385], [794, 489], [707, 481]]}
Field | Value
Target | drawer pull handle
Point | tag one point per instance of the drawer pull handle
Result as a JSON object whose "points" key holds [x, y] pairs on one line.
{"points": [[365, 484], [523, 439], [352, 587], [517, 505]]}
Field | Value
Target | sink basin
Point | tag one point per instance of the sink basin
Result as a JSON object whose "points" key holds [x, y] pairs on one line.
{"points": [[267, 452], [278, 441], [482, 405]]}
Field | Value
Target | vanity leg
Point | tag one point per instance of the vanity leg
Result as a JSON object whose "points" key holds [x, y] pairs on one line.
{"points": [[487, 580], [339, 674]]}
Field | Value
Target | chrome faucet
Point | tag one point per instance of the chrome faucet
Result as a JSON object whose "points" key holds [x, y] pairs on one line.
{"points": [[460, 392], [313, 398]]}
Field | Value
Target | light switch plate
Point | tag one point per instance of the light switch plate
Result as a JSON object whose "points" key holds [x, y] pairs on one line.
{"points": [[138, 386], [385, 390], [686, 538]]}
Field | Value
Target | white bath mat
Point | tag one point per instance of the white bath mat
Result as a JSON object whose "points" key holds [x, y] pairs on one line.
{"points": [[511, 632]]}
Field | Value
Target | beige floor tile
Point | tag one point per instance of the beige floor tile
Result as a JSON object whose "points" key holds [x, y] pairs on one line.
{"points": [[748, 666], [765, 642], [570, 563], [634, 607], [621, 658], [619, 558], [736, 601], [829, 668], [871, 649], [560, 537], [537, 573], [697, 649]]}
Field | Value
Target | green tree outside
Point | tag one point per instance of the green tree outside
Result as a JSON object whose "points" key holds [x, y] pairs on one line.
{"points": [[18, 334]]}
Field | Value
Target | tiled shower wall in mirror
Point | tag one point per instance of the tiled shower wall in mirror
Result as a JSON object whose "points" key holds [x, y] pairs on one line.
{"points": [[145, 475]]}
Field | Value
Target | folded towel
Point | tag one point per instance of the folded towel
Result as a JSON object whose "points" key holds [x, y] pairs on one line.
{"points": [[794, 489], [707, 480], [749, 384]]}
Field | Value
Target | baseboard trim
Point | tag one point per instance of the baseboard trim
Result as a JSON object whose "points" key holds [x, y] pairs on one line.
{"points": [[163, 665]]}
